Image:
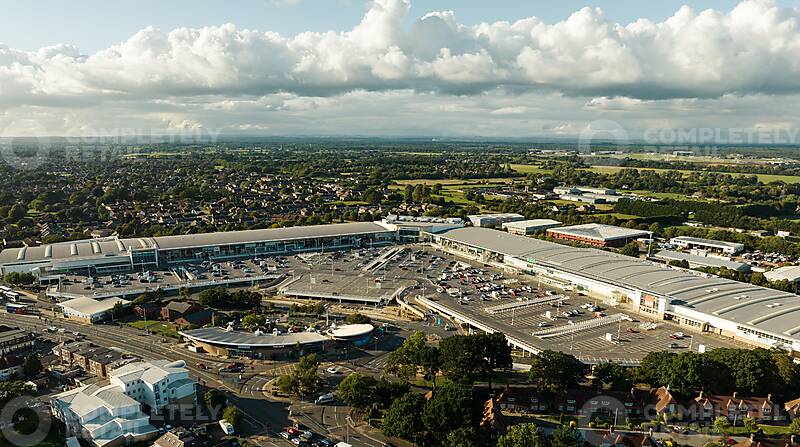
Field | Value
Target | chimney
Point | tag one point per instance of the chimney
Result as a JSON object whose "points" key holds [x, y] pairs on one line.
{"points": [[701, 395], [734, 394], [769, 397]]}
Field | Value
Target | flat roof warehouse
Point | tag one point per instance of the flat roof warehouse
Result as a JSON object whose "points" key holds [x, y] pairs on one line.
{"points": [[755, 311]]}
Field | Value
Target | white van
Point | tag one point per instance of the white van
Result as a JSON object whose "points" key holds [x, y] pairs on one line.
{"points": [[226, 427]]}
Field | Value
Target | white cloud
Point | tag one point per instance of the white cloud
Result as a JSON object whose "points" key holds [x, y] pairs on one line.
{"points": [[585, 60]]}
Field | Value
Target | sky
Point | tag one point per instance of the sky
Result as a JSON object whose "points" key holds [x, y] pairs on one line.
{"points": [[438, 68]]}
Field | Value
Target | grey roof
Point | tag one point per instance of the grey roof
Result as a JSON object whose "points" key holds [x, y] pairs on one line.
{"points": [[766, 309], [87, 248], [270, 234], [601, 232], [108, 247], [708, 242], [710, 261], [219, 336], [91, 306]]}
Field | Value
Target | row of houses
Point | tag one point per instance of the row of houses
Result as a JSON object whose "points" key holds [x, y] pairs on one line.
{"points": [[647, 404]]}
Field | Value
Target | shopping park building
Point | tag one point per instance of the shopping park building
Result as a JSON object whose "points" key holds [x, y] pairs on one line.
{"points": [[756, 315], [113, 254]]}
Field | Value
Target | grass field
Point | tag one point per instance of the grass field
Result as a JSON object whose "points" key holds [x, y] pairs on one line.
{"points": [[456, 181], [159, 327], [619, 216], [763, 178]]}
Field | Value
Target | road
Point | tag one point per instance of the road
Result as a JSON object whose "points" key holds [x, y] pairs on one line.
{"points": [[262, 417]]}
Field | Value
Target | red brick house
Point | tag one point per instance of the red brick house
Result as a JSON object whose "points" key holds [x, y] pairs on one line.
{"points": [[177, 309]]}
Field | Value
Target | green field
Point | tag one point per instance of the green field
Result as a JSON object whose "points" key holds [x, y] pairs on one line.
{"points": [[763, 178], [159, 327]]}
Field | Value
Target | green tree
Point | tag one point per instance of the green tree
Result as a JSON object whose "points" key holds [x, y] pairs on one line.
{"points": [[233, 416], [750, 424], [464, 437], [722, 425], [497, 353], [403, 419], [462, 358], [556, 371], [252, 321], [214, 398], [565, 437], [522, 435], [794, 427], [356, 390], [358, 318], [413, 357], [449, 408], [612, 375], [630, 249]]}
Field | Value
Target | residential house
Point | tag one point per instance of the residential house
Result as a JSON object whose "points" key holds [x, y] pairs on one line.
{"points": [[93, 359], [177, 309], [179, 437], [14, 340], [149, 311], [199, 318], [736, 408]]}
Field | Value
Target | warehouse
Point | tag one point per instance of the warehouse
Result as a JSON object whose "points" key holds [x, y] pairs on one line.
{"points": [[89, 310], [104, 256], [528, 227], [696, 261], [753, 314], [688, 242], [598, 235], [789, 273], [494, 220]]}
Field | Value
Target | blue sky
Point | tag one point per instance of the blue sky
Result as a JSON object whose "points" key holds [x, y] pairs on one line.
{"points": [[96, 24], [397, 67]]}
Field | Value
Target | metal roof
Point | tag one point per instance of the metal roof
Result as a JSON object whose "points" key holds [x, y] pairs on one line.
{"points": [[766, 309], [83, 249], [600, 232], [710, 261], [266, 235], [219, 336]]}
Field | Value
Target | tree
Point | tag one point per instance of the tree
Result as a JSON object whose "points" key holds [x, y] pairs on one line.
{"points": [[414, 356], [750, 424], [612, 375], [497, 353], [32, 366], [357, 318], [117, 310], [253, 321], [565, 437], [722, 425], [522, 435], [556, 371], [794, 427], [630, 249], [232, 415], [449, 408], [356, 390], [464, 437], [403, 419], [462, 358], [214, 398], [304, 379]]}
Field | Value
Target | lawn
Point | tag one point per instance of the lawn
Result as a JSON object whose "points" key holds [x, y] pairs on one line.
{"points": [[159, 327], [457, 181], [619, 216], [529, 169]]}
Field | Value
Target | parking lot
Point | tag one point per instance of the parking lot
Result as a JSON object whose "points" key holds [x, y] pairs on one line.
{"points": [[564, 321]]}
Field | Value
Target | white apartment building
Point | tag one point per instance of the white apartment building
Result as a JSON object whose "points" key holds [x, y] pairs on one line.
{"points": [[103, 415], [155, 383]]}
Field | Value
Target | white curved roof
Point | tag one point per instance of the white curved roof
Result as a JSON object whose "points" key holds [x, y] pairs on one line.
{"points": [[350, 330], [219, 336]]}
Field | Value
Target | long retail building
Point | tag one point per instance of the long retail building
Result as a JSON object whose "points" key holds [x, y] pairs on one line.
{"points": [[757, 315]]}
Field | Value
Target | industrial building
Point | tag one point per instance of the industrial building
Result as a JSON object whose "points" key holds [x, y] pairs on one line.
{"points": [[753, 314], [788, 273], [688, 242], [598, 235], [104, 256], [494, 220], [90, 310], [527, 227], [701, 261]]}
